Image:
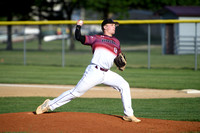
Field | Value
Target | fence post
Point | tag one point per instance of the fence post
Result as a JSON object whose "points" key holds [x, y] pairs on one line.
{"points": [[163, 38], [24, 46], [63, 47], [195, 48], [149, 44]]}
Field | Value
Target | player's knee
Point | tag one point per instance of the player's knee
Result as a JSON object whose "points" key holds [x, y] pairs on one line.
{"points": [[77, 93], [125, 84]]}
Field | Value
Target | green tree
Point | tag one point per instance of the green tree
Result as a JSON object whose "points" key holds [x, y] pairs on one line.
{"points": [[68, 7], [155, 5], [109, 7], [44, 10], [14, 10]]}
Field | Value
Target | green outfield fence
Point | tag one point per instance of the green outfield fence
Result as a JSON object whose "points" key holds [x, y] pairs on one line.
{"points": [[123, 22]]}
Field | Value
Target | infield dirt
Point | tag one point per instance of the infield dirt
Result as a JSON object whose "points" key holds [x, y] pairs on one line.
{"points": [[75, 122], [26, 90]]}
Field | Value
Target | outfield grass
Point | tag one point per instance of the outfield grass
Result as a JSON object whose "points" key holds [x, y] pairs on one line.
{"points": [[142, 78], [184, 109], [51, 55], [44, 67]]}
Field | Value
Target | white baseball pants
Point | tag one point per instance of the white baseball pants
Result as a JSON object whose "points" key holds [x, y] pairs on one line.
{"points": [[92, 77]]}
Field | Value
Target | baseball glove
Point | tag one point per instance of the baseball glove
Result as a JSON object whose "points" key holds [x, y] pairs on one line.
{"points": [[120, 61]]}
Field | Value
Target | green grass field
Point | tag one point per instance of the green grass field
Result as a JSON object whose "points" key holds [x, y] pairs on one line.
{"points": [[44, 67], [51, 55], [183, 109], [137, 77]]}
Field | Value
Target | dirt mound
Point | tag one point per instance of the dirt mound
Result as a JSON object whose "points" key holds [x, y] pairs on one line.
{"points": [[73, 122]]}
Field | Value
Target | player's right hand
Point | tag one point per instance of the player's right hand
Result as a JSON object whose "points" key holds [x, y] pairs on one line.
{"points": [[80, 22]]}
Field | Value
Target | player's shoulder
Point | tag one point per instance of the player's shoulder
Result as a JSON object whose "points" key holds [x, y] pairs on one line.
{"points": [[99, 36], [95, 36], [116, 39], [91, 36]]}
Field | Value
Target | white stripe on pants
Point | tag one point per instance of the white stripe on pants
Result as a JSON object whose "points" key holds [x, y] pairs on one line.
{"points": [[91, 78]]}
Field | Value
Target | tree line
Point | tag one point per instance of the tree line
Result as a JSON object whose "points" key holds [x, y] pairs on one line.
{"points": [[45, 10]]}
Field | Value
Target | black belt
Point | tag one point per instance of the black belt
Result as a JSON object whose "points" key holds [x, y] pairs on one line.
{"points": [[102, 69]]}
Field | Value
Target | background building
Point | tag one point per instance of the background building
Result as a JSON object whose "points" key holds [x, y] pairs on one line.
{"points": [[180, 37]]}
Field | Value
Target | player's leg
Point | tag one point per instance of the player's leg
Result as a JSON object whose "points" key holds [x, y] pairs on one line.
{"points": [[90, 78], [119, 83]]}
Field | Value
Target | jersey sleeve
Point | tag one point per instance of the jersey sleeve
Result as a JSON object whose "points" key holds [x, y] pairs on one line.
{"points": [[89, 40], [78, 35]]}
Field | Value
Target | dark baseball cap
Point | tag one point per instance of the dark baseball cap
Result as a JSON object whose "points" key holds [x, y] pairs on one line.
{"points": [[108, 21]]}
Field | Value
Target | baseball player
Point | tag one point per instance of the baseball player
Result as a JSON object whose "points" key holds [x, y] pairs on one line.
{"points": [[106, 50]]}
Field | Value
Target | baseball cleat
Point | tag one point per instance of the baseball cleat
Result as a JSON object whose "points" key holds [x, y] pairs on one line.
{"points": [[43, 107], [131, 118]]}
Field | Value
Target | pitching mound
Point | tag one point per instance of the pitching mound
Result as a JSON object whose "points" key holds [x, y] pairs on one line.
{"points": [[73, 122]]}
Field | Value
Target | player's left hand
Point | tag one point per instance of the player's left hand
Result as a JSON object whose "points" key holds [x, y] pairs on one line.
{"points": [[120, 61]]}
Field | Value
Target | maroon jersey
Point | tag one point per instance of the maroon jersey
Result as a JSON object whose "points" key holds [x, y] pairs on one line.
{"points": [[104, 48]]}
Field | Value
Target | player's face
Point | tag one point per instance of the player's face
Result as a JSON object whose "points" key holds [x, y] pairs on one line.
{"points": [[109, 29]]}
